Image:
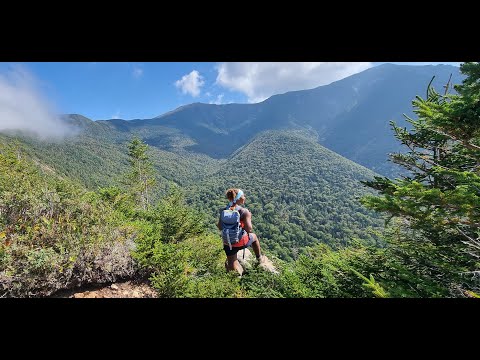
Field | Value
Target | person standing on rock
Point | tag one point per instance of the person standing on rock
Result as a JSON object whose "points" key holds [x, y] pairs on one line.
{"points": [[235, 222]]}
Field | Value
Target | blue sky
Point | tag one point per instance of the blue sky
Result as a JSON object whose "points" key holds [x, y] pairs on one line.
{"points": [[101, 90]]}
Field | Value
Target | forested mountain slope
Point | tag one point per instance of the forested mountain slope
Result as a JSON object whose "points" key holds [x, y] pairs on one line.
{"points": [[350, 116], [299, 193], [96, 155]]}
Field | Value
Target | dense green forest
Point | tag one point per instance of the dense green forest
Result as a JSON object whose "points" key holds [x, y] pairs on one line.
{"points": [[58, 229], [97, 156], [299, 193], [349, 116], [55, 234]]}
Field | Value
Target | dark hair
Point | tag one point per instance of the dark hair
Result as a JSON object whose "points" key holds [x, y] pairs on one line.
{"points": [[231, 194]]}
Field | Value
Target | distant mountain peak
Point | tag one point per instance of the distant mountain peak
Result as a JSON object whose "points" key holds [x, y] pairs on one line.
{"points": [[75, 116], [349, 116]]}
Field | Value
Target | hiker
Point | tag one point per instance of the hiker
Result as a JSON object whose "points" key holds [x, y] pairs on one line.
{"points": [[235, 240]]}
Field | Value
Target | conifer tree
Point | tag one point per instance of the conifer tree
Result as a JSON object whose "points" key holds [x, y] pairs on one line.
{"points": [[141, 177], [439, 201]]}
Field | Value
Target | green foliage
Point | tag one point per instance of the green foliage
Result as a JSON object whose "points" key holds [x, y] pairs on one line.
{"points": [[326, 273], [141, 176], [414, 267], [192, 268], [371, 284], [438, 202], [472, 294], [54, 234], [92, 161], [299, 193], [86, 236], [182, 221], [181, 258], [169, 277], [303, 197], [259, 283], [119, 199], [310, 205], [97, 156], [207, 274], [322, 272]]}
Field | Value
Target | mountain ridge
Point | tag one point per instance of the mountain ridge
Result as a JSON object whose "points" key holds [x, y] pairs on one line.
{"points": [[350, 116]]}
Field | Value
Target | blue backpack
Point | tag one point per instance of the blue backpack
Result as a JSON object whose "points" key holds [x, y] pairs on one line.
{"points": [[232, 231]]}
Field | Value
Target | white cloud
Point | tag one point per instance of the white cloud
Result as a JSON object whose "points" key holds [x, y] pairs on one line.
{"points": [[191, 83], [218, 100], [116, 115], [24, 109], [259, 81], [137, 72]]}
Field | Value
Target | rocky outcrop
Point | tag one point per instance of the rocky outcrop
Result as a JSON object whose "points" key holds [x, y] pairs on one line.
{"points": [[247, 260]]}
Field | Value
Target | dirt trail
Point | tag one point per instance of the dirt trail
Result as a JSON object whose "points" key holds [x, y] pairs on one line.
{"points": [[127, 289]]}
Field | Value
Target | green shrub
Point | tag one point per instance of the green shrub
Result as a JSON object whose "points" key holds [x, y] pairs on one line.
{"points": [[54, 234]]}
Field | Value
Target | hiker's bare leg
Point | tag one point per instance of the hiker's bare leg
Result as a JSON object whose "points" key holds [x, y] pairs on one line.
{"points": [[256, 245], [233, 264]]}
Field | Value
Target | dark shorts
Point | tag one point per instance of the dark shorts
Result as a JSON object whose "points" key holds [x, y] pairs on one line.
{"points": [[234, 250]]}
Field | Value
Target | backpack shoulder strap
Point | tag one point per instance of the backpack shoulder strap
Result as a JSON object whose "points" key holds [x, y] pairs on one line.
{"points": [[241, 211]]}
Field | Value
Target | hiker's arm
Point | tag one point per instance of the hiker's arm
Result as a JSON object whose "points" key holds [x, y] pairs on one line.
{"points": [[248, 222], [219, 225]]}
